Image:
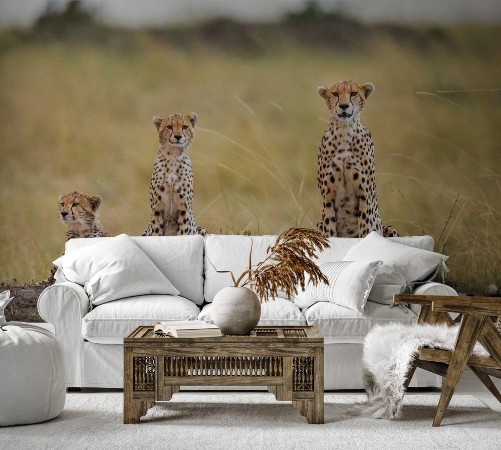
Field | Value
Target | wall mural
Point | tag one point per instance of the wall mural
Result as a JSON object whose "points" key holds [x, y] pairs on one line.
{"points": [[78, 95]]}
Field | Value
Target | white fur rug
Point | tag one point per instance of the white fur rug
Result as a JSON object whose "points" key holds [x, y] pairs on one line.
{"points": [[388, 352]]}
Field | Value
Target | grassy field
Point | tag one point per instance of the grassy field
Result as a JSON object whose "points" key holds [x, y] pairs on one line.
{"points": [[76, 109]]}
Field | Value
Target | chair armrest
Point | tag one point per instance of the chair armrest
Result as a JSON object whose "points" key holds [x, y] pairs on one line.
{"points": [[64, 305], [413, 299], [490, 306]]}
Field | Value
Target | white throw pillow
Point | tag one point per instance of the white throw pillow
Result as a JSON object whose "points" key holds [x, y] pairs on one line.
{"points": [[402, 265], [179, 258], [349, 285], [114, 269]]}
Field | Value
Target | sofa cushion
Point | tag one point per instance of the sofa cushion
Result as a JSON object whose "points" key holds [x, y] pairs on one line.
{"points": [[179, 258], [339, 247], [280, 311], [274, 312], [402, 264], [349, 285], [111, 322], [345, 325], [226, 252], [114, 269]]}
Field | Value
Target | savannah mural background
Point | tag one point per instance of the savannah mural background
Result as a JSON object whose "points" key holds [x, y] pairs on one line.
{"points": [[77, 97]]}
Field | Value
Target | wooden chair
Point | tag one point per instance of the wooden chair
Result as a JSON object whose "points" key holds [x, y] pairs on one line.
{"points": [[476, 326]]}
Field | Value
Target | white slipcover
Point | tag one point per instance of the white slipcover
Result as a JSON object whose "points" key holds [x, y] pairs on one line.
{"points": [[90, 364]]}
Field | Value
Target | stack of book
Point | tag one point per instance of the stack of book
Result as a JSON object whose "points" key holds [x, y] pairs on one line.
{"points": [[187, 329]]}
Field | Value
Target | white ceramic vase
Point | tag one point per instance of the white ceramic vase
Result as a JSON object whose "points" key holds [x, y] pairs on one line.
{"points": [[236, 310]]}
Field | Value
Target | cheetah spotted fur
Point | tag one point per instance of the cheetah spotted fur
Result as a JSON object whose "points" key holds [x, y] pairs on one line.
{"points": [[171, 187], [78, 211], [346, 171]]}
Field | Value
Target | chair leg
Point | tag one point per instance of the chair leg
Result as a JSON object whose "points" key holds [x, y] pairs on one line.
{"points": [[489, 338], [410, 374], [424, 314], [470, 328], [486, 380]]}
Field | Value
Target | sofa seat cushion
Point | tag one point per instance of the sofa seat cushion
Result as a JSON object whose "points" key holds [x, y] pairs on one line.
{"points": [[111, 322], [339, 324], [275, 312]]}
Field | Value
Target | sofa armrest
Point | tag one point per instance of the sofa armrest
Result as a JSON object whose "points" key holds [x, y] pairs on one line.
{"points": [[64, 305], [431, 288]]}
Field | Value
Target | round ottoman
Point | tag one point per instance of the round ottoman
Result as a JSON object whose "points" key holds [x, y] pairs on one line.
{"points": [[32, 377]]}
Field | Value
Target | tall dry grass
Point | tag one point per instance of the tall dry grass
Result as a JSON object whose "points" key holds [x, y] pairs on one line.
{"points": [[78, 117]]}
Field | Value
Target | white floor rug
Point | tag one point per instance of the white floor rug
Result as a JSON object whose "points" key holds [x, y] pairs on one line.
{"points": [[240, 420]]}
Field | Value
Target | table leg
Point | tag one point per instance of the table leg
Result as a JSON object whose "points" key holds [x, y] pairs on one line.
{"points": [[134, 409], [301, 406], [316, 408]]}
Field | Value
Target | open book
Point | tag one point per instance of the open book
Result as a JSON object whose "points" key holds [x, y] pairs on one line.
{"points": [[187, 329]]}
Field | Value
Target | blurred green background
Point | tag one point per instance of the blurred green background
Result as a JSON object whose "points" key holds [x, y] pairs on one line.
{"points": [[77, 98]]}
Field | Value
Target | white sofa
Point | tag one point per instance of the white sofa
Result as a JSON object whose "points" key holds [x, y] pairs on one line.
{"points": [[92, 336]]}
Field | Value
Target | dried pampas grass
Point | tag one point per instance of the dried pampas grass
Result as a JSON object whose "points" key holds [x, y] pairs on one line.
{"points": [[286, 264]]}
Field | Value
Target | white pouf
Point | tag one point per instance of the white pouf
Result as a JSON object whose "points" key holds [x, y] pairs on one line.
{"points": [[32, 376]]}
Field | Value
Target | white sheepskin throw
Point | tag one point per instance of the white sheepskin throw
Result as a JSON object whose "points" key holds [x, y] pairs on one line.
{"points": [[387, 355]]}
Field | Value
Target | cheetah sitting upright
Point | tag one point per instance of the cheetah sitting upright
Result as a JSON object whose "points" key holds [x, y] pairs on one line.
{"points": [[78, 211], [171, 188], [346, 173]]}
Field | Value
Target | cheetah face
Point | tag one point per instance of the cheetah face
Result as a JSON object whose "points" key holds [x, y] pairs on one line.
{"points": [[346, 99], [175, 130], [78, 207]]}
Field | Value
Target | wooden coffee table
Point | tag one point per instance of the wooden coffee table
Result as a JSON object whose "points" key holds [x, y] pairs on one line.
{"points": [[288, 360]]}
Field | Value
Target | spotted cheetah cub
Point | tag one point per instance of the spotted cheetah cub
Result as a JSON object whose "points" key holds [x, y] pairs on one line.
{"points": [[78, 211], [346, 172], [171, 187]]}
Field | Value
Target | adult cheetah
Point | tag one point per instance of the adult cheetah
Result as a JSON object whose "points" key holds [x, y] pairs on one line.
{"points": [[346, 173], [171, 188], [78, 211]]}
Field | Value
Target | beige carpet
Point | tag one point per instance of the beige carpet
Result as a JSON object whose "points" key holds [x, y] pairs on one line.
{"points": [[243, 420]]}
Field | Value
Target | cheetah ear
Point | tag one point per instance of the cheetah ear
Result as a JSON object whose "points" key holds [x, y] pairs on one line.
{"points": [[193, 118], [157, 120], [60, 198], [95, 201], [322, 91], [368, 89]]}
